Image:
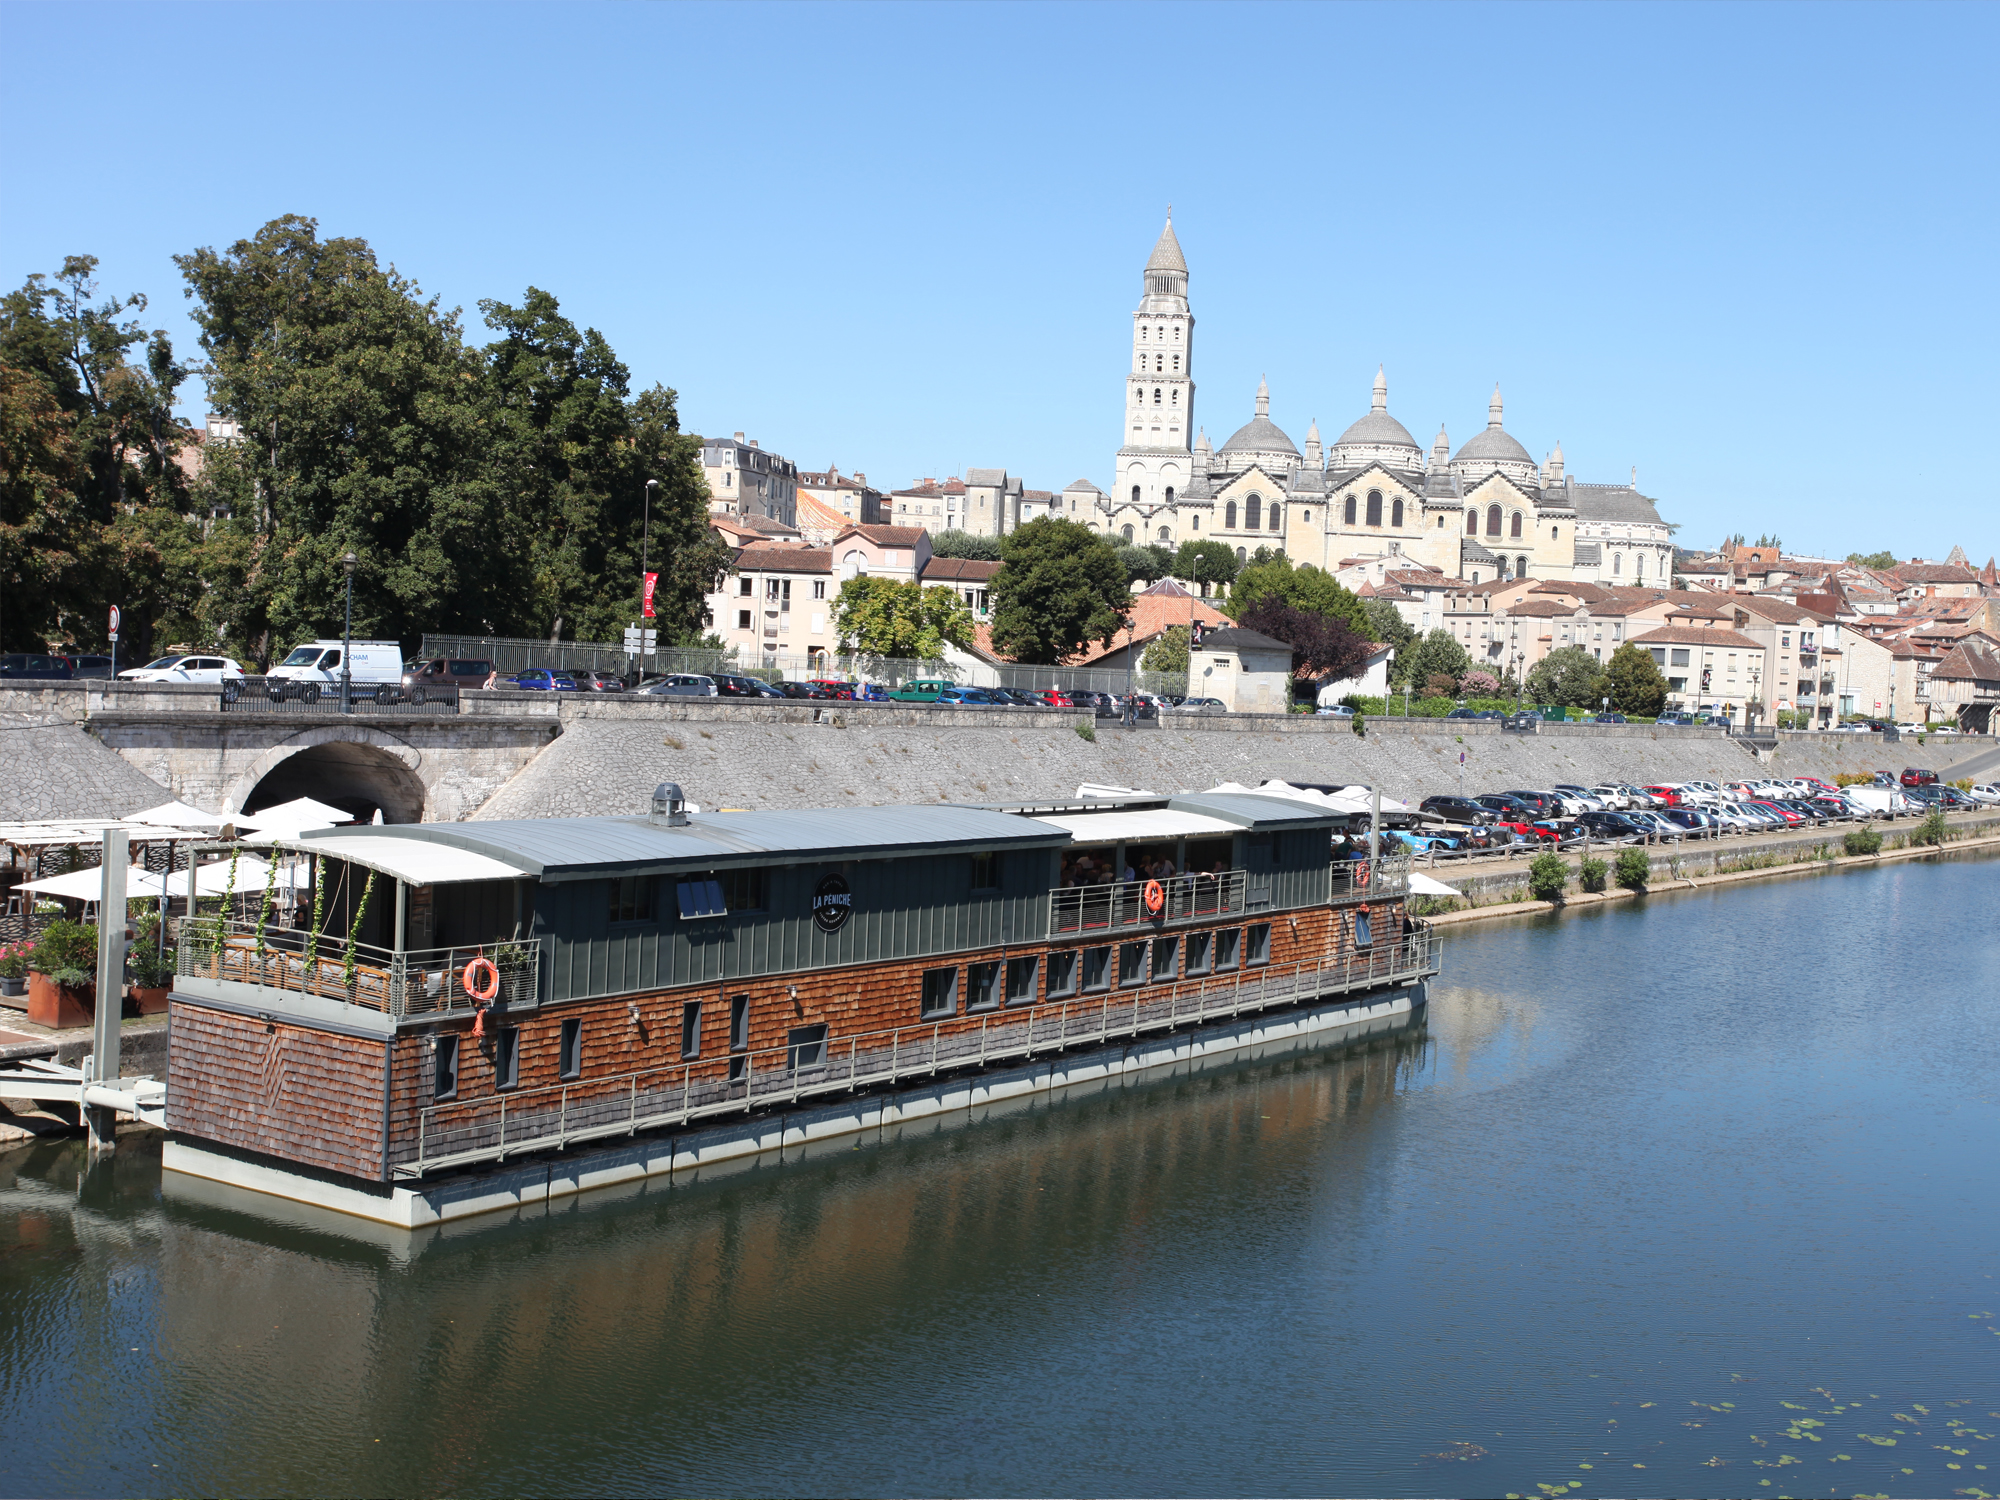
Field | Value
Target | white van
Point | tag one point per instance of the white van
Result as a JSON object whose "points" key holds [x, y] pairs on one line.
{"points": [[314, 669]]}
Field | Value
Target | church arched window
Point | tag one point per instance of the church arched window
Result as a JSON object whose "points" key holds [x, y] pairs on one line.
{"points": [[1396, 513], [1229, 515], [1177, 364], [1143, 330], [1520, 567], [1277, 515], [1194, 522], [1170, 494], [1177, 397], [1165, 535], [1493, 520], [1305, 518], [1159, 362], [1156, 395], [1374, 507], [1639, 566], [1241, 555], [1348, 511], [1617, 562], [1552, 533], [1516, 531], [1126, 532], [1472, 523], [1135, 494], [1253, 512]]}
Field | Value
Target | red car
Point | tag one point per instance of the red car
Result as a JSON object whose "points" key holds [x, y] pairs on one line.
{"points": [[1918, 776], [1056, 698], [1786, 813], [1669, 795], [834, 689], [1533, 831]]}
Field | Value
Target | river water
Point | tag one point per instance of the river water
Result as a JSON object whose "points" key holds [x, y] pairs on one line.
{"points": [[1692, 1195]]}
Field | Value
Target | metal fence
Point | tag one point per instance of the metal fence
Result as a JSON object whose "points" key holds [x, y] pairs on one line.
{"points": [[1129, 903], [454, 1134], [415, 982], [516, 654], [259, 695]]}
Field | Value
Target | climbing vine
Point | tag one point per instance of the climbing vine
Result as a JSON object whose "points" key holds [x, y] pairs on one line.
{"points": [[270, 895], [319, 912], [354, 931]]}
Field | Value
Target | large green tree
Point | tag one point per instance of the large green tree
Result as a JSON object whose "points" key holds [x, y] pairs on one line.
{"points": [[1060, 586], [1272, 575], [1637, 684], [1207, 564], [1387, 625], [1168, 651], [885, 618], [967, 545], [1569, 676], [1437, 654]]}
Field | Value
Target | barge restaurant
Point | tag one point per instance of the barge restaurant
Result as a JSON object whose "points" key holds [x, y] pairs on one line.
{"points": [[481, 1015]]}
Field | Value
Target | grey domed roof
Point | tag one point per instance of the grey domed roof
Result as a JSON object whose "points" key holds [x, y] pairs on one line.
{"points": [[1380, 428], [1492, 445], [1259, 435]]}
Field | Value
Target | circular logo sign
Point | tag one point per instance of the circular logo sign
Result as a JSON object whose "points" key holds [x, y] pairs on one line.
{"points": [[833, 901]]}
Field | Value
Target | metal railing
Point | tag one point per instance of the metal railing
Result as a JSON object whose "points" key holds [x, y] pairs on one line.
{"points": [[1183, 898], [1350, 879], [259, 695], [415, 982], [461, 1132]]}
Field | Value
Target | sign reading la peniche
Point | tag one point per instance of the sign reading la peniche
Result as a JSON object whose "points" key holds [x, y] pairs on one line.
{"points": [[832, 903]]}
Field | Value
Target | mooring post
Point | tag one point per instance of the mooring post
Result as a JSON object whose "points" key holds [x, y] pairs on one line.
{"points": [[104, 1029]]}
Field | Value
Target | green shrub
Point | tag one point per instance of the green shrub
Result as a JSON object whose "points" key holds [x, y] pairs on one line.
{"points": [[1086, 732], [1432, 906], [73, 979], [150, 968], [1853, 778], [1931, 830], [1863, 841], [65, 945], [1548, 876], [1591, 873], [1633, 869], [1362, 705], [1360, 724]]}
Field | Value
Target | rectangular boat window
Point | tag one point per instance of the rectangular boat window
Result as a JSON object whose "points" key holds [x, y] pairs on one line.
{"points": [[982, 986], [739, 1036], [507, 1057], [742, 890], [940, 993], [631, 899], [1166, 957], [805, 1047], [1062, 973], [569, 1049], [1131, 964], [691, 1029], [1258, 945], [1198, 950], [1021, 973], [1227, 943], [1363, 933], [986, 872], [1096, 969], [444, 1083], [701, 898]]}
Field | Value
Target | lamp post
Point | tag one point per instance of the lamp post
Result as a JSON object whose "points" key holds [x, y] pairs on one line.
{"points": [[347, 562], [645, 566]]}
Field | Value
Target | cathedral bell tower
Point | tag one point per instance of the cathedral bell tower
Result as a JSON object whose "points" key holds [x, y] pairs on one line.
{"points": [[1154, 462]]}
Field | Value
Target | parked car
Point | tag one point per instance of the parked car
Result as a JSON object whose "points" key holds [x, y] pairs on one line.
{"points": [[921, 689], [542, 680], [1589, 799], [1458, 809], [598, 682], [1201, 706], [1463, 713], [1526, 719], [682, 685], [1544, 804], [1656, 824], [1144, 705], [1918, 776], [736, 685], [1611, 825], [1102, 705], [448, 671], [835, 688], [87, 666], [1987, 793], [317, 665], [1337, 711], [1605, 719], [1506, 806], [207, 669], [25, 664], [804, 690]]}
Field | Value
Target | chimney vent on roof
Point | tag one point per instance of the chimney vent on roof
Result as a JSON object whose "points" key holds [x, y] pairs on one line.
{"points": [[669, 810], [739, 437]]}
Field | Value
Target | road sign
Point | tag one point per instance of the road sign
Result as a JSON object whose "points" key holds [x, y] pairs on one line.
{"points": [[114, 622], [640, 640]]}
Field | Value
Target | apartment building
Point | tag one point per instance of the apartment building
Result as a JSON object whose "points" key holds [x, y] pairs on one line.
{"points": [[745, 481]]}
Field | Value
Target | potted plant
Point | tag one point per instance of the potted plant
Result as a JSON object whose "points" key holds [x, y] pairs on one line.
{"points": [[60, 977], [151, 971], [14, 968]]}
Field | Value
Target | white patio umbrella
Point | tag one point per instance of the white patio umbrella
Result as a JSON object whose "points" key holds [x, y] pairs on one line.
{"points": [[1422, 885], [177, 814]]}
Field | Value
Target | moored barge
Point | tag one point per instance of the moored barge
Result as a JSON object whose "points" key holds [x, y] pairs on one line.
{"points": [[483, 1014]]}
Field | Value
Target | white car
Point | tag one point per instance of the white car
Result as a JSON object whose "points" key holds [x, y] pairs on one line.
{"points": [[207, 669], [1614, 797], [1985, 792]]}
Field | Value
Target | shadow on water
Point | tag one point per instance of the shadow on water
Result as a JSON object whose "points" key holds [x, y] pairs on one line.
{"points": [[1681, 1195]]}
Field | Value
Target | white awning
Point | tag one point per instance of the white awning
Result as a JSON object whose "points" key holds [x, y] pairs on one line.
{"points": [[1423, 885], [1132, 827], [413, 860], [293, 817], [178, 814], [211, 879]]}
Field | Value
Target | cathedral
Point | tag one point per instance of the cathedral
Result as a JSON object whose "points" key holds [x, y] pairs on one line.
{"points": [[1487, 511]]}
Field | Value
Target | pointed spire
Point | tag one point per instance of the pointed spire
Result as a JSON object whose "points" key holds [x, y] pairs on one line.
{"points": [[1201, 443], [1381, 401], [1314, 457], [1167, 253], [1441, 448], [1493, 407], [1552, 470], [1263, 397], [1312, 432]]}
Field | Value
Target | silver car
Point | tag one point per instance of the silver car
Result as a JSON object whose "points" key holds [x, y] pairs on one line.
{"points": [[682, 685]]}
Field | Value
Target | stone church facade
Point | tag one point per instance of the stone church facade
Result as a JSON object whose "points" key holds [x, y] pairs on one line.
{"points": [[1487, 511]]}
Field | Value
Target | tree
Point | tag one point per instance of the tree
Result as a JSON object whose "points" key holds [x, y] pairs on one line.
{"points": [[1060, 586], [1271, 574], [41, 512], [1437, 654], [1877, 560], [1479, 684], [1771, 541], [1142, 564], [1569, 676], [1204, 564], [1323, 648], [885, 618], [1387, 625], [965, 544], [1637, 684], [1168, 652]]}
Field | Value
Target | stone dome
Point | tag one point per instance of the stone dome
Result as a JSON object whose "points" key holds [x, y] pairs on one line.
{"points": [[1494, 449], [1377, 429], [1260, 435]]}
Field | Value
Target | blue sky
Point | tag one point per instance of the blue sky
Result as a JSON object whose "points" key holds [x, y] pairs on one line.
{"points": [[1749, 250]]}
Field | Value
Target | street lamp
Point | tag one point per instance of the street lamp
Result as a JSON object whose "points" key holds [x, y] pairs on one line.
{"points": [[347, 562]]}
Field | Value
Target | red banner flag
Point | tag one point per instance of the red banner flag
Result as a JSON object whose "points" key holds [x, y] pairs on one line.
{"points": [[652, 579]]}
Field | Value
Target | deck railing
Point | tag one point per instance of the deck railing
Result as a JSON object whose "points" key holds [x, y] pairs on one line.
{"points": [[464, 1131], [1183, 898], [415, 982], [1358, 879]]}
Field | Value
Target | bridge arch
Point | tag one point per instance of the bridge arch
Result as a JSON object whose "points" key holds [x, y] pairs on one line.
{"points": [[360, 770]]}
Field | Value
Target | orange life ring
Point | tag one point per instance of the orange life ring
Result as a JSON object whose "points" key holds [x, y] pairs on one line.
{"points": [[490, 988], [1155, 896], [1361, 874]]}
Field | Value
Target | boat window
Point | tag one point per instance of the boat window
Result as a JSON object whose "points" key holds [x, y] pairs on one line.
{"points": [[444, 1083], [1362, 934], [1259, 944], [631, 899], [1226, 946], [1131, 964], [940, 992], [986, 872], [1081, 867], [982, 983], [701, 898], [691, 1029], [1166, 957], [1096, 969], [742, 890], [739, 1022], [805, 1046], [1021, 980], [569, 1051], [1198, 950], [1062, 973], [507, 1057]]}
